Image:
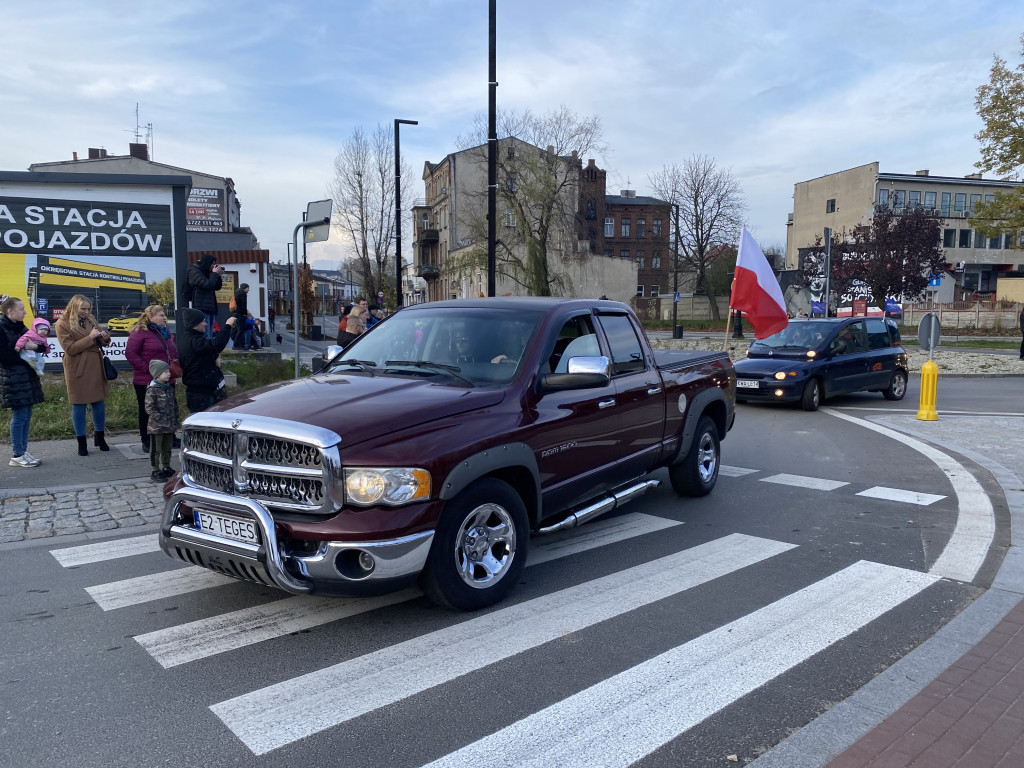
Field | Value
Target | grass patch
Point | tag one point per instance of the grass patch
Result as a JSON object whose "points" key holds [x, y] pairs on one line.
{"points": [[51, 419]]}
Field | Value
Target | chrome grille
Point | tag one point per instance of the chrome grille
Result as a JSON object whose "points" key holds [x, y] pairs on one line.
{"points": [[209, 442], [301, 490], [214, 477], [283, 453]]}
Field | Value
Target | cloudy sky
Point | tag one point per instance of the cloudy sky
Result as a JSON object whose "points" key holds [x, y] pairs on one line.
{"points": [[779, 91]]}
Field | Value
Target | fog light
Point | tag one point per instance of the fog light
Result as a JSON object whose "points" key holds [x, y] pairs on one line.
{"points": [[778, 393], [366, 561]]}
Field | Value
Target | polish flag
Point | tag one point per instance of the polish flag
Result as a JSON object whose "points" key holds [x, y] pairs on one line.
{"points": [[756, 292]]}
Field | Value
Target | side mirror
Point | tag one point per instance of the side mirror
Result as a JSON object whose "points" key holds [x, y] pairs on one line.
{"points": [[583, 373], [332, 351]]}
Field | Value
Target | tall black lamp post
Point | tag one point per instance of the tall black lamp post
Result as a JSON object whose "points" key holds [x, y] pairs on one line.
{"points": [[677, 331], [398, 213]]}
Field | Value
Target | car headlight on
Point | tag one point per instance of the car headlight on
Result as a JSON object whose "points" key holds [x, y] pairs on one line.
{"points": [[780, 375], [386, 485]]}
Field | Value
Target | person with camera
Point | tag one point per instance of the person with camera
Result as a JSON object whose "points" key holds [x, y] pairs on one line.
{"points": [[203, 281], [204, 382]]}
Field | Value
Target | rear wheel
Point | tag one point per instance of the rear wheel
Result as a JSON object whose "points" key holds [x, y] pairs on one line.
{"points": [[479, 548], [811, 398], [697, 474], [897, 387]]}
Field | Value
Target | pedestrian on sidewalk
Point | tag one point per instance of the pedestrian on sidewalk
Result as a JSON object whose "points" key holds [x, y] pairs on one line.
{"points": [[82, 339], [271, 314], [204, 382], [202, 281], [241, 312], [19, 385], [162, 410], [149, 340]]}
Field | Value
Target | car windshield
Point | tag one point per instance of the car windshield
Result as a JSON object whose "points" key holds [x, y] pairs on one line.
{"points": [[454, 345], [798, 336]]}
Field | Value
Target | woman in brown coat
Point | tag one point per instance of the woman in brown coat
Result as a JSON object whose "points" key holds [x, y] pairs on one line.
{"points": [[82, 338]]}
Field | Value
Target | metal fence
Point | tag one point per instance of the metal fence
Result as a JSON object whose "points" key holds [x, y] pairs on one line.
{"points": [[980, 315]]}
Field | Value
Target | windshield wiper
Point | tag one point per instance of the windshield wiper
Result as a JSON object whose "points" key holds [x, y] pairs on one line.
{"points": [[451, 370], [365, 365]]}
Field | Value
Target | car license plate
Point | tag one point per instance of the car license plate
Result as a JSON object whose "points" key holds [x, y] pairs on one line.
{"points": [[747, 384], [225, 527]]}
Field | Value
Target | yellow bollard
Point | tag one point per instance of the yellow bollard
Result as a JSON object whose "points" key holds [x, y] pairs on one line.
{"points": [[929, 390]]}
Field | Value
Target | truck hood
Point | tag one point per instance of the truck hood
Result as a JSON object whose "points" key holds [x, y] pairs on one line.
{"points": [[360, 407]]}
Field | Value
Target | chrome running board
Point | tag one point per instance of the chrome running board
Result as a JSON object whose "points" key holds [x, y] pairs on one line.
{"points": [[601, 507]]}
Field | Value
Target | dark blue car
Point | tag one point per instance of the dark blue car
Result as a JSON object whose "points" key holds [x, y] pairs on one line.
{"points": [[812, 360]]}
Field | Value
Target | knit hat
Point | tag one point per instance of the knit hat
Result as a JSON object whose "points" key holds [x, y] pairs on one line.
{"points": [[193, 317], [156, 367]]}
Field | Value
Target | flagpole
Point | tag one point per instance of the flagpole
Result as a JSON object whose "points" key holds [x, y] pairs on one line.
{"points": [[728, 319]]}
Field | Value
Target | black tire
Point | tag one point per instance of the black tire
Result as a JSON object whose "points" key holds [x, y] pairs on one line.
{"points": [[897, 386], [480, 547], [697, 474], [811, 398]]}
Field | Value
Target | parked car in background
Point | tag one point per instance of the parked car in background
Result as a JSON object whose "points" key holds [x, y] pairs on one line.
{"points": [[123, 324], [814, 359]]}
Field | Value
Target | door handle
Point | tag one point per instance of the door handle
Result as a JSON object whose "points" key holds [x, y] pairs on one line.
{"points": [[653, 390], [606, 403]]}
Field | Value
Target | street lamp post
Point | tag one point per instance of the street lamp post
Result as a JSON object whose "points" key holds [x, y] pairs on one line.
{"points": [[398, 213], [677, 332]]}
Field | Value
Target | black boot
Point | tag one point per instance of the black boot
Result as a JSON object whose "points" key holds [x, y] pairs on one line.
{"points": [[100, 442], [145, 443], [83, 446]]}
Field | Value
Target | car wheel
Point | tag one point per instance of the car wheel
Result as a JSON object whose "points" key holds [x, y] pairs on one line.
{"points": [[811, 398], [697, 474], [897, 387], [479, 547]]}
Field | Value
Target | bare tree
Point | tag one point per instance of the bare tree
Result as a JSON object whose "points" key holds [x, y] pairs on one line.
{"points": [[711, 211], [538, 169], [363, 190]]}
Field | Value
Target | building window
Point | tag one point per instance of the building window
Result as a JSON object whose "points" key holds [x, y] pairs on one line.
{"points": [[949, 238], [947, 200], [510, 218], [914, 201], [591, 210], [641, 227], [899, 198], [640, 260], [640, 291], [993, 242], [656, 227], [624, 253], [654, 292], [656, 262], [510, 183], [625, 228], [975, 199], [965, 238], [609, 227], [608, 252], [960, 201], [883, 197], [830, 205], [929, 200], [979, 241]]}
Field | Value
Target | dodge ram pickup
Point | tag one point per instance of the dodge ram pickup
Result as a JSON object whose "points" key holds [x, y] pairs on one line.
{"points": [[437, 443]]}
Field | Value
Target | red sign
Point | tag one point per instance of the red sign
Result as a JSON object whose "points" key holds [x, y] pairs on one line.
{"points": [[860, 307]]}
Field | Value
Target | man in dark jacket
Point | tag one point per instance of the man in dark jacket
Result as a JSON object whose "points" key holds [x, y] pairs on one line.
{"points": [[205, 280], [204, 383], [241, 335]]}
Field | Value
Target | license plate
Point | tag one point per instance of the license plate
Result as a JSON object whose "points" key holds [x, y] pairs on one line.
{"points": [[234, 528], [747, 383]]}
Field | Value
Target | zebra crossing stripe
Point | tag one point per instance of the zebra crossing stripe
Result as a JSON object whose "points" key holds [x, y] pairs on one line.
{"points": [[142, 589], [814, 483], [896, 494], [626, 717], [311, 703], [730, 471], [106, 550], [229, 631]]}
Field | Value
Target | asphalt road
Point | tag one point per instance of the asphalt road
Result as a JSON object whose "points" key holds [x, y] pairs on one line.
{"points": [[677, 632]]}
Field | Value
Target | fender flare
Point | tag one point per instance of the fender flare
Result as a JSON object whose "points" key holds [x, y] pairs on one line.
{"points": [[697, 409], [489, 462]]}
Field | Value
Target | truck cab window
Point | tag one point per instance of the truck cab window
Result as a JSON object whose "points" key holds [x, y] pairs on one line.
{"points": [[627, 353]]}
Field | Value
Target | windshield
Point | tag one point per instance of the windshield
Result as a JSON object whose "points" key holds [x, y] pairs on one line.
{"points": [[797, 336], [457, 346]]}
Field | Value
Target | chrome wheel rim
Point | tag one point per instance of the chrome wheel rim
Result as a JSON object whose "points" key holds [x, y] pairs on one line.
{"points": [[707, 458], [486, 546], [899, 385]]}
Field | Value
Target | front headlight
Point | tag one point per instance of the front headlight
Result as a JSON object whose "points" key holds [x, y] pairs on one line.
{"points": [[386, 485]]}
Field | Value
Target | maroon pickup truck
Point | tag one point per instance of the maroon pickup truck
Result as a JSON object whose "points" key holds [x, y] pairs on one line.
{"points": [[434, 447]]}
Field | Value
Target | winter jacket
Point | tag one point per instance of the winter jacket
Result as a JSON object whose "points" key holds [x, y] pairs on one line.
{"points": [[205, 284], [144, 346], [19, 384], [198, 357], [83, 361], [161, 409]]}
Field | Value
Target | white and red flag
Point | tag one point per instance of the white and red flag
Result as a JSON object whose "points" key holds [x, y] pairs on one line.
{"points": [[756, 292]]}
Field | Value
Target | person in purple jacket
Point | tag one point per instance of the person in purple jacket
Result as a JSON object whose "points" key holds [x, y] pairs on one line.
{"points": [[150, 340]]}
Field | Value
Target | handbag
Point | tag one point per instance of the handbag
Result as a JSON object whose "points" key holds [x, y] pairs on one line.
{"points": [[108, 369], [176, 371]]}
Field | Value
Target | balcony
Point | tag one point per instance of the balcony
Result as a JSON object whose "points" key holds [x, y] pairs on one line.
{"points": [[429, 271], [428, 237]]}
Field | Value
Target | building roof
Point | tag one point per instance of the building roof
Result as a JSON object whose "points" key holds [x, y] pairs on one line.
{"points": [[100, 161], [620, 200]]}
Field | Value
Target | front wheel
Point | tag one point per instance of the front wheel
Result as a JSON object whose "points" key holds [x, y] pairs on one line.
{"points": [[697, 474], [811, 398], [479, 548], [897, 387]]}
